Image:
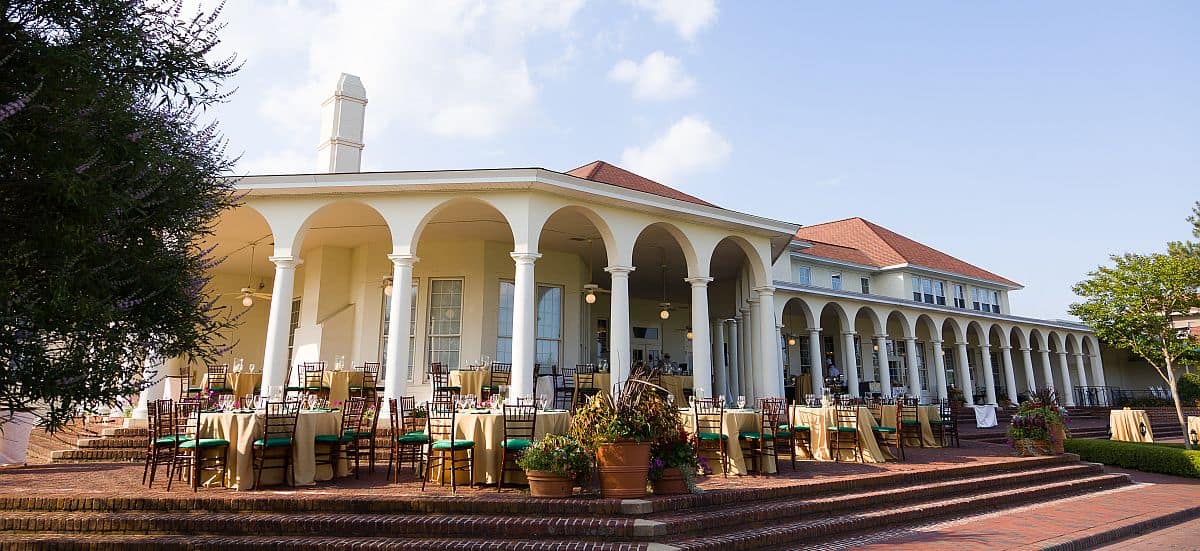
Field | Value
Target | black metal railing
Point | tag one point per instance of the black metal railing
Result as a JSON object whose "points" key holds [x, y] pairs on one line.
{"points": [[1111, 396]]}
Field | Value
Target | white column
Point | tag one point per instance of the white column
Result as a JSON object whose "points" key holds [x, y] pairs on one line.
{"points": [[850, 362], [964, 373], [702, 370], [718, 355], [1010, 378], [914, 373], [734, 385], [1098, 370], [618, 323], [885, 374], [863, 350], [1079, 370], [1066, 396], [1047, 373], [279, 321], [939, 363], [989, 381], [814, 355], [1027, 359], [399, 313], [752, 381], [524, 324], [153, 370], [745, 366], [770, 366]]}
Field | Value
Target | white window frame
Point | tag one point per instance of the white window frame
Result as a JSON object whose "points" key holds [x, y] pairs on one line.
{"points": [[429, 327], [385, 320], [960, 296], [293, 325], [804, 275], [864, 284], [835, 281], [504, 331]]}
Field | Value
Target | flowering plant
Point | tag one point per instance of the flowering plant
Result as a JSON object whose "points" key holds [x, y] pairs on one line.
{"points": [[677, 451], [558, 454], [1037, 417]]}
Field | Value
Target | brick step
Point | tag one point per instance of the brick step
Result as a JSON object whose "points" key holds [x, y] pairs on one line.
{"points": [[107, 442], [866, 519], [123, 431], [68, 542], [93, 455]]}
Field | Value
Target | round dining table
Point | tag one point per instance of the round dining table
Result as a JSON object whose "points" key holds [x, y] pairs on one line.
{"points": [[733, 422], [485, 428], [242, 428]]}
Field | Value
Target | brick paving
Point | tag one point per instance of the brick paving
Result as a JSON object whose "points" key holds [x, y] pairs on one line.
{"points": [[1181, 537]]}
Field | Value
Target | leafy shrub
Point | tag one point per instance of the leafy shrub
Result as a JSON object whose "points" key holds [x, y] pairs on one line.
{"points": [[1189, 389], [558, 454], [1170, 459]]}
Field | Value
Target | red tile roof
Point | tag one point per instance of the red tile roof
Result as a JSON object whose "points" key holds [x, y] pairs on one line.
{"points": [[883, 247], [838, 252], [605, 173]]}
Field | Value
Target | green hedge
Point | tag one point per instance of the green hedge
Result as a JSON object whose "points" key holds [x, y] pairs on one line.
{"points": [[1152, 458]]}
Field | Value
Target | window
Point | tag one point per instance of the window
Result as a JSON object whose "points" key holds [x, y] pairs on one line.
{"points": [[865, 284], [858, 357], [986, 300], [445, 321], [293, 324], [948, 362], [548, 345], [835, 282], [923, 373], [412, 331], [995, 302], [960, 296], [805, 357], [928, 291], [804, 275]]}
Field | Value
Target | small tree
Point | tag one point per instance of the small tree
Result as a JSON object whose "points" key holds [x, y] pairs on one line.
{"points": [[1134, 304]]}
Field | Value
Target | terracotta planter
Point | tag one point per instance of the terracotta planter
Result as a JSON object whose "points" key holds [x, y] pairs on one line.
{"points": [[549, 484], [623, 468], [670, 483], [1058, 436], [1028, 447]]}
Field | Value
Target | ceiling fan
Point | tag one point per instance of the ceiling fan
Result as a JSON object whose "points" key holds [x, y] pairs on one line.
{"points": [[249, 292], [590, 289], [665, 307]]}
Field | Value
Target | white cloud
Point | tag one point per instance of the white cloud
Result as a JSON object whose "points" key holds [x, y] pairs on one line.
{"points": [[691, 145], [658, 77], [278, 162], [687, 16]]}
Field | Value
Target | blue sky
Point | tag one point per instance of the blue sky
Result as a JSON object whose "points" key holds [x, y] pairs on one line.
{"points": [[1029, 138]]}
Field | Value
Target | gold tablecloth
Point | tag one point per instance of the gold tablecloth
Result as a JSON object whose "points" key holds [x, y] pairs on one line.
{"points": [[732, 423], [243, 382], [339, 383], [1126, 424], [673, 383], [1193, 427], [470, 381], [924, 415], [819, 419], [486, 430], [242, 429]]}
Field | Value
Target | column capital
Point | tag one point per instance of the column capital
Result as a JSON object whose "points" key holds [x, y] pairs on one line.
{"points": [[403, 259], [1063, 354], [1005, 347], [734, 319], [910, 339], [877, 337], [698, 281], [938, 343], [619, 271], [1026, 349], [849, 334], [286, 262], [765, 290], [1078, 354], [960, 343], [814, 330], [524, 257], [745, 312]]}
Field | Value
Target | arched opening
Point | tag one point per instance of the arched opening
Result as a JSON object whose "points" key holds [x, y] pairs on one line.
{"points": [[867, 324], [979, 362], [1002, 373], [957, 360], [660, 300], [241, 283], [838, 358], [929, 339], [730, 293]]}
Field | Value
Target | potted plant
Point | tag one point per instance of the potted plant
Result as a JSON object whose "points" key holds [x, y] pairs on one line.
{"points": [[553, 465], [619, 432], [674, 464], [1039, 427]]}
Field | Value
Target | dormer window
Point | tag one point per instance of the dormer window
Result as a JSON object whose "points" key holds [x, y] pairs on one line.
{"points": [[804, 275], [835, 281], [985, 300], [960, 296], [928, 291]]}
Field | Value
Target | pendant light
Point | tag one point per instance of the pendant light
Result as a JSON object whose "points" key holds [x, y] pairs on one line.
{"points": [[665, 313], [387, 286], [791, 340]]}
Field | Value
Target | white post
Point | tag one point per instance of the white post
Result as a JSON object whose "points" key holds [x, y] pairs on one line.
{"points": [[152, 370], [1079, 370], [850, 362], [618, 324], [1027, 359], [1009, 377], [279, 321], [751, 381], [885, 374], [814, 356], [399, 313], [1098, 370], [939, 362], [989, 381], [524, 325], [964, 373], [1068, 388], [718, 354], [914, 373], [771, 368], [734, 385], [702, 368], [1047, 373]]}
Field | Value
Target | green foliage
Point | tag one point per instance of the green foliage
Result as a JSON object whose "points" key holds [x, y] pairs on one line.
{"points": [[636, 414], [558, 454], [1189, 388], [1035, 417], [1191, 248], [1170, 459], [110, 186]]}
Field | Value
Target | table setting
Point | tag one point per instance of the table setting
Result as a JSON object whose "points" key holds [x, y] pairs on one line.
{"points": [[734, 420]]}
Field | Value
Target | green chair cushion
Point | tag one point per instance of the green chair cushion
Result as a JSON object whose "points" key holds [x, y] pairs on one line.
{"points": [[365, 434], [888, 430], [334, 439], [448, 388], [516, 444], [295, 388], [219, 388], [204, 443], [453, 444], [195, 389], [170, 440], [712, 436], [274, 442], [414, 438], [939, 422], [802, 428], [843, 429], [783, 434], [909, 422], [490, 388], [755, 436]]}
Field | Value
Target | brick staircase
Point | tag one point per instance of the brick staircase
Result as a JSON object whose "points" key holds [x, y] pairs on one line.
{"points": [[1086, 423], [739, 518]]}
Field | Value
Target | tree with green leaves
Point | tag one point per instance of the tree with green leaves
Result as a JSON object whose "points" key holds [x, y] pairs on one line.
{"points": [[1189, 247], [1135, 305], [109, 185]]}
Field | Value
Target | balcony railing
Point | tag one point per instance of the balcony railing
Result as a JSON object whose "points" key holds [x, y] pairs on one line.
{"points": [[1111, 396]]}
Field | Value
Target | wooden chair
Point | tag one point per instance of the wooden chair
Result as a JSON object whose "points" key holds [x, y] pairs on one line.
{"points": [[843, 434], [408, 437], [801, 435], [585, 384], [368, 389], [314, 379], [890, 435], [161, 439], [762, 443], [439, 377], [910, 421], [218, 379], [364, 445], [191, 452], [708, 416], [184, 388], [443, 443], [279, 436], [520, 424], [564, 387], [946, 426], [346, 439], [501, 375]]}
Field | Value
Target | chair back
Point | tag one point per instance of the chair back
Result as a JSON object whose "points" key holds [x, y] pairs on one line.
{"points": [[708, 415], [352, 415], [846, 415], [441, 420], [280, 420], [161, 419], [585, 375], [181, 383], [772, 415], [407, 418], [187, 419], [314, 374], [948, 412], [875, 405], [520, 422], [218, 375], [501, 373], [564, 377], [439, 376]]}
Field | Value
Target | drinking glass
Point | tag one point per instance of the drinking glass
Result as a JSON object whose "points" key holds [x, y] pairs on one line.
{"points": [[545, 401], [692, 402], [670, 399], [226, 402], [741, 402]]}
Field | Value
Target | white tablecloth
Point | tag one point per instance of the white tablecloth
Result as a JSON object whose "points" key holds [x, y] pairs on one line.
{"points": [[985, 416], [14, 439]]}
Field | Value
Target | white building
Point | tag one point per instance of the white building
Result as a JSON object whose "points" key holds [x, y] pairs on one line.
{"points": [[408, 268]]}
